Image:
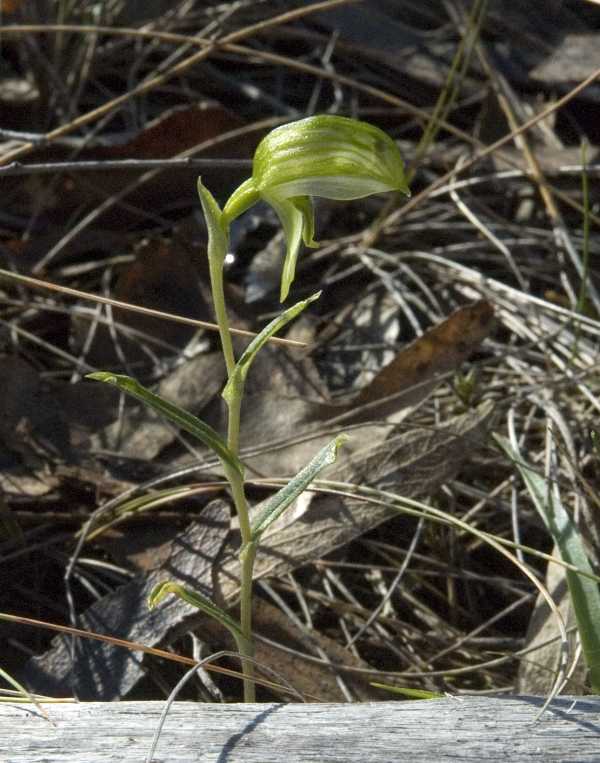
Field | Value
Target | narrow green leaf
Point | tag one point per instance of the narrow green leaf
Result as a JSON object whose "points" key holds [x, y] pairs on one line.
{"points": [[409, 693], [16, 685], [26, 696], [278, 503], [584, 592], [235, 385], [173, 413], [197, 600]]}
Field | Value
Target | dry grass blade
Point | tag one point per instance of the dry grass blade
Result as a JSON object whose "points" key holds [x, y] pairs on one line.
{"points": [[131, 646], [489, 150], [36, 283]]}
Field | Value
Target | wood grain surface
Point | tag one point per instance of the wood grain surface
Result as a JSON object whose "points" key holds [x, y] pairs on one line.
{"points": [[453, 729]]}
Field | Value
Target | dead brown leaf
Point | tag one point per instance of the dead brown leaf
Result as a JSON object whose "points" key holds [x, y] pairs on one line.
{"points": [[101, 671], [413, 373], [174, 131]]}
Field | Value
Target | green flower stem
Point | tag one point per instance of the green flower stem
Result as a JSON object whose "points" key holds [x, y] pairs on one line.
{"points": [[247, 558], [236, 483], [246, 649], [245, 645], [234, 405]]}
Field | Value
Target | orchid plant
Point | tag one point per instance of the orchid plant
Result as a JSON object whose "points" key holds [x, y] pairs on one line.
{"points": [[328, 156]]}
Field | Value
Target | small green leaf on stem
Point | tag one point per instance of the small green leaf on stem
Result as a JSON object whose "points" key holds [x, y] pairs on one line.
{"points": [[197, 600], [217, 233], [278, 503], [174, 414], [235, 384]]}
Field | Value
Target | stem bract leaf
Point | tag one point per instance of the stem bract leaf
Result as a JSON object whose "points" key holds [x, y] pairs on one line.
{"points": [[278, 503], [178, 416], [235, 384], [197, 600]]}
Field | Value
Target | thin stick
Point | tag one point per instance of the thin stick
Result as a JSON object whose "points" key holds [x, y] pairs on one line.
{"points": [[37, 284], [47, 168], [134, 646]]}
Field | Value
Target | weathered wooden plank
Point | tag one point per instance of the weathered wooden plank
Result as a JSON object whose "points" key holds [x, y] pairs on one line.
{"points": [[464, 729]]}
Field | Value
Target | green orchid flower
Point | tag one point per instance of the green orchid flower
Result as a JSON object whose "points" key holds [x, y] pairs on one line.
{"points": [[328, 156]]}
